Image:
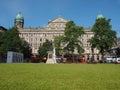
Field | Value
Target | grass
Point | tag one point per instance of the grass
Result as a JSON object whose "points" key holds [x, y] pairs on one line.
{"points": [[59, 77]]}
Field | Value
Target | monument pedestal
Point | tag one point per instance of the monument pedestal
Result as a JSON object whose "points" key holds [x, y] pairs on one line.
{"points": [[51, 58]]}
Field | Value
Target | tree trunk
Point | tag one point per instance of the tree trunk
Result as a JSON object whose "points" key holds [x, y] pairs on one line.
{"points": [[92, 49], [72, 57], [102, 59]]}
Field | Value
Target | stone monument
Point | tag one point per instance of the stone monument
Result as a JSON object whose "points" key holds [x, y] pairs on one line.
{"points": [[51, 56], [14, 57]]}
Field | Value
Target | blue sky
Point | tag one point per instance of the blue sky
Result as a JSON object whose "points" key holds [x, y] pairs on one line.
{"points": [[38, 12]]}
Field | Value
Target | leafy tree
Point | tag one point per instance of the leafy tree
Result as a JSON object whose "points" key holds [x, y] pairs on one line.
{"points": [[71, 39], [10, 41], [104, 36], [44, 48], [25, 49], [1, 38], [58, 41], [1, 42], [72, 35]]}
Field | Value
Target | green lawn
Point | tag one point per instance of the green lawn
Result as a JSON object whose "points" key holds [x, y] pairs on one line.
{"points": [[59, 76]]}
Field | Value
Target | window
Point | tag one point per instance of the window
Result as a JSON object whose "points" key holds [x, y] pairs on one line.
{"points": [[97, 57], [40, 39], [31, 39], [45, 35]]}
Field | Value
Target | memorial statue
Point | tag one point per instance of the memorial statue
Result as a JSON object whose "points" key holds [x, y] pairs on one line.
{"points": [[51, 55]]}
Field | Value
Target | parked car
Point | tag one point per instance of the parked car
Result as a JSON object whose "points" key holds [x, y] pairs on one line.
{"points": [[117, 61], [112, 60], [58, 60], [108, 59]]}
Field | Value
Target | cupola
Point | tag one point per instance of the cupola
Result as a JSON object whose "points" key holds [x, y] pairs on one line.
{"points": [[100, 15], [19, 20], [19, 17]]}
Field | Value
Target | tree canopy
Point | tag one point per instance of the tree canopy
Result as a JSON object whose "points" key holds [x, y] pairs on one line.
{"points": [[70, 41], [58, 41], [44, 49], [10, 41], [104, 36], [72, 37]]}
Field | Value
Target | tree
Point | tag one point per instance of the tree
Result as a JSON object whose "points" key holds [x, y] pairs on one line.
{"points": [[25, 48], [44, 49], [71, 39], [10, 41], [58, 41], [104, 36], [1, 42], [1, 39]]}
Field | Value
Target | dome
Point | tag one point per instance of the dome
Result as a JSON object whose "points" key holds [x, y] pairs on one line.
{"points": [[19, 17], [100, 16]]}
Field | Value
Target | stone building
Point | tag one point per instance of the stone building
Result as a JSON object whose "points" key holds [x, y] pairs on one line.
{"points": [[2, 29], [37, 36]]}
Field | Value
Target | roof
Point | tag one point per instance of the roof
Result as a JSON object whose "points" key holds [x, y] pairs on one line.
{"points": [[2, 28], [19, 17], [100, 15], [58, 19]]}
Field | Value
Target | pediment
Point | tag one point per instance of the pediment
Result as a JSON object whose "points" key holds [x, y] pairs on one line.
{"points": [[58, 23], [59, 20]]}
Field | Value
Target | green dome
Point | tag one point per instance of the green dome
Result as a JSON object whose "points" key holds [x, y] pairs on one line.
{"points": [[19, 17], [100, 16]]}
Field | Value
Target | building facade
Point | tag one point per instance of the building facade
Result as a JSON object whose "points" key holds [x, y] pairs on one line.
{"points": [[2, 29], [37, 36]]}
